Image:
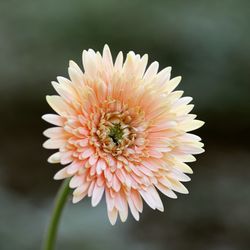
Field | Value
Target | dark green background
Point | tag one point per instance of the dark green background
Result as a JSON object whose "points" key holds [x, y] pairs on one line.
{"points": [[207, 42]]}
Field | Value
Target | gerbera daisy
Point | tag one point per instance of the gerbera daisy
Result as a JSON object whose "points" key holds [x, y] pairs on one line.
{"points": [[121, 131]]}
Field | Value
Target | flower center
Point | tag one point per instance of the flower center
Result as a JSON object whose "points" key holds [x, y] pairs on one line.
{"points": [[118, 130], [116, 133]]}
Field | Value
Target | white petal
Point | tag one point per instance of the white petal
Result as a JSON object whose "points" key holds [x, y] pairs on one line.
{"points": [[55, 132], [53, 143], [53, 119], [119, 61], [79, 197], [168, 192], [55, 158], [152, 70], [172, 84], [74, 65], [163, 76], [124, 213], [59, 105], [62, 174], [191, 125], [179, 187]]}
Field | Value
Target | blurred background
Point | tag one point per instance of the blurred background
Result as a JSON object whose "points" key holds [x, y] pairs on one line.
{"points": [[207, 42]]}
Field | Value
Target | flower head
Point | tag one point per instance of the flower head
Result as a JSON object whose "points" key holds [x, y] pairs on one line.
{"points": [[122, 131]]}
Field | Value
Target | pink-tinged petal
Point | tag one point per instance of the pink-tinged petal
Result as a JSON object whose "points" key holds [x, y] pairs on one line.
{"points": [[93, 159], [89, 62], [108, 175], [97, 195], [165, 181], [154, 194], [135, 169], [142, 66], [113, 216], [137, 200], [73, 65], [164, 126], [84, 142], [151, 165], [148, 199], [100, 180], [53, 119], [133, 209], [101, 165], [93, 170], [63, 92], [74, 167], [75, 77], [177, 175], [119, 201], [109, 200], [145, 171], [66, 157], [91, 189], [87, 153], [155, 153], [116, 183], [76, 181], [168, 192], [124, 213], [107, 57], [83, 131], [188, 149]]}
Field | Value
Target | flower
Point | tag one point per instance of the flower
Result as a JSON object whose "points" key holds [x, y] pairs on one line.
{"points": [[121, 131]]}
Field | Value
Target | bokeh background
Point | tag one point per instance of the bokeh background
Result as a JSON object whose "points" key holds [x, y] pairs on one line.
{"points": [[207, 42]]}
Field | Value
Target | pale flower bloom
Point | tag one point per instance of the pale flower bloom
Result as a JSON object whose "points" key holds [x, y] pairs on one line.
{"points": [[121, 131]]}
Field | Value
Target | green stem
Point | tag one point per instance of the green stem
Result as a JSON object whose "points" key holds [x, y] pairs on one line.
{"points": [[61, 199]]}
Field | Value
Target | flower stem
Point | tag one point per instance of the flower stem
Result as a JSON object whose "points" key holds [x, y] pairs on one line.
{"points": [[61, 199]]}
